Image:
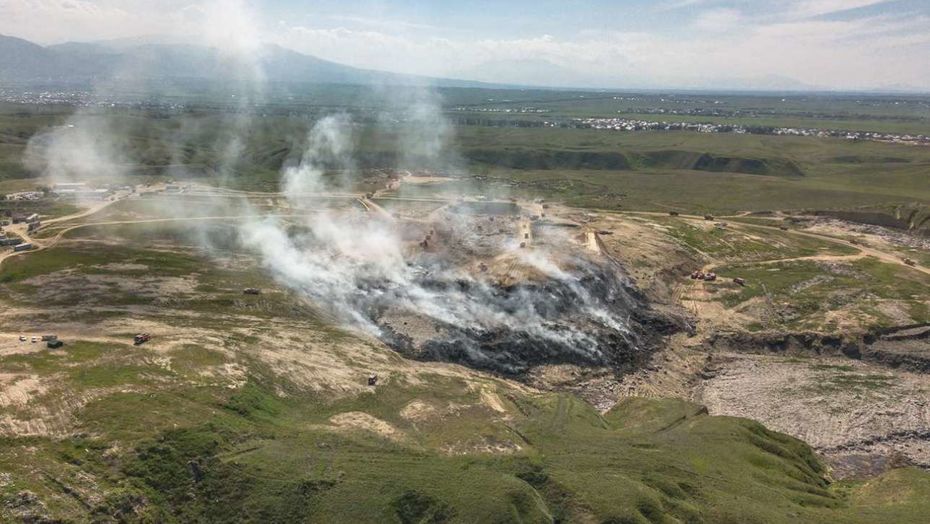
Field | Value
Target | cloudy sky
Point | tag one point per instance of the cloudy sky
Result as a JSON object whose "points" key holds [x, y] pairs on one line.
{"points": [[836, 44]]}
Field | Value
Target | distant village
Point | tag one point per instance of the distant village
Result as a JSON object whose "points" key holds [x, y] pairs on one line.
{"points": [[66, 191], [627, 124]]}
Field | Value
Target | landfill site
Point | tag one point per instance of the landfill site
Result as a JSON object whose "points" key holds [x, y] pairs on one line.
{"points": [[545, 297]]}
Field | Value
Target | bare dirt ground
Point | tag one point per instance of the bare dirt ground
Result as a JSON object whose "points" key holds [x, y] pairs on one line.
{"points": [[860, 416]]}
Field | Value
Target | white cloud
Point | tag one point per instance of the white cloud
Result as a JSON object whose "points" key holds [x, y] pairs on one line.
{"points": [[811, 8], [718, 45], [718, 20]]}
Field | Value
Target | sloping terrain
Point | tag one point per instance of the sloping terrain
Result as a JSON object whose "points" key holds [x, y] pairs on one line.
{"points": [[256, 407]]}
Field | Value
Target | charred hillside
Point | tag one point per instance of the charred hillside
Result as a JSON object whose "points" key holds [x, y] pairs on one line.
{"points": [[596, 318]]}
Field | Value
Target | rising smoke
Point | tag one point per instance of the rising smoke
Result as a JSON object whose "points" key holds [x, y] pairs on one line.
{"points": [[574, 309], [364, 268]]}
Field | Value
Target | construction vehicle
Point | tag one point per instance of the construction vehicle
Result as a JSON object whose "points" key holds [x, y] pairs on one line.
{"points": [[141, 338], [739, 282]]}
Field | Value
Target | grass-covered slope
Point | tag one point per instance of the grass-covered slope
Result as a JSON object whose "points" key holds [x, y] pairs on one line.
{"points": [[253, 409], [163, 447]]}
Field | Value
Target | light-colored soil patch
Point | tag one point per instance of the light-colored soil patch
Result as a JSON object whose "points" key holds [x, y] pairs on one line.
{"points": [[418, 411], [491, 400], [357, 420], [491, 447], [18, 390], [839, 406], [115, 266]]}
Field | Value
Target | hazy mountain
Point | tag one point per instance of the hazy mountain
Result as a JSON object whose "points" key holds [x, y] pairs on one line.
{"points": [[767, 83], [22, 62], [543, 73]]}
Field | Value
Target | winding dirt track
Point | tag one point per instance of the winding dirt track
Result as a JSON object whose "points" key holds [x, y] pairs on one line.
{"points": [[864, 251], [374, 208]]}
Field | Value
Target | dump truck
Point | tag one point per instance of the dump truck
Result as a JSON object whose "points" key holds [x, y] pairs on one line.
{"points": [[141, 338]]}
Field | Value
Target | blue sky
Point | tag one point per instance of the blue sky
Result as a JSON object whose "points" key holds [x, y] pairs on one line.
{"points": [[835, 44]]}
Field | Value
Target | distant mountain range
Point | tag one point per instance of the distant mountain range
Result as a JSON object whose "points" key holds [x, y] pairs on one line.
{"points": [[25, 63], [151, 61]]}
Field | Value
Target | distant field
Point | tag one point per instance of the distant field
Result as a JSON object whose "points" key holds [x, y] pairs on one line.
{"points": [[605, 169], [894, 114]]}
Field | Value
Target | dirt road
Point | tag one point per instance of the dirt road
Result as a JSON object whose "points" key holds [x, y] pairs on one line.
{"points": [[864, 251]]}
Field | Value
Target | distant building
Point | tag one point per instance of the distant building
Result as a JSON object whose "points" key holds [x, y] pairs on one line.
{"points": [[10, 241], [83, 194], [69, 186], [25, 195]]}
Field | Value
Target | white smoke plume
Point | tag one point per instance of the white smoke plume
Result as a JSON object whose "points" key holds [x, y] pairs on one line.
{"points": [[360, 265], [361, 268]]}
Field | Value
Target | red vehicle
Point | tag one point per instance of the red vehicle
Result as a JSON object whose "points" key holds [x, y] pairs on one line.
{"points": [[141, 338]]}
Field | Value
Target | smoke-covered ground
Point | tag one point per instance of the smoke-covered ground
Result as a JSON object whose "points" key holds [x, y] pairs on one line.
{"points": [[453, 286], [467, 287]]}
